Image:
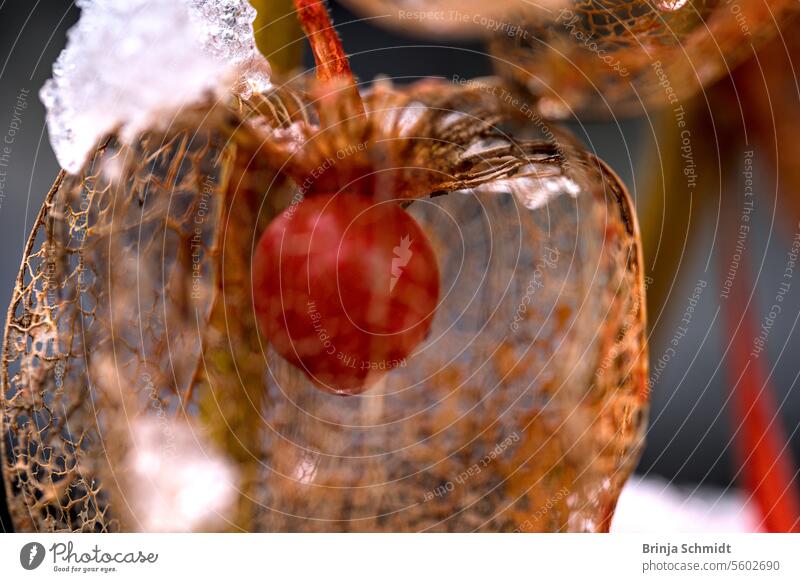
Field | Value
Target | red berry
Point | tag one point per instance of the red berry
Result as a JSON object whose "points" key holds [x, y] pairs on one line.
{"points": [[345, 288]]}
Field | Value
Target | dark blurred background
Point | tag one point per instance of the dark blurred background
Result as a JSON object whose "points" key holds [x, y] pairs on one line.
{"points": [[689, 439]]}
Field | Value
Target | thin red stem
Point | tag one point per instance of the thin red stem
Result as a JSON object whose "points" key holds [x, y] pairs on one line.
{"points": [[767, 471], [329, 55]]}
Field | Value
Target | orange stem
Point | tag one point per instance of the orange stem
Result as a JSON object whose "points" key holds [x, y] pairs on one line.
{"points": [[329, 56], [767, 469], [328, 52]]}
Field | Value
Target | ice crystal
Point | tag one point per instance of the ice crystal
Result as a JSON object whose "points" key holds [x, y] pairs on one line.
{"points": [[131, 65]]}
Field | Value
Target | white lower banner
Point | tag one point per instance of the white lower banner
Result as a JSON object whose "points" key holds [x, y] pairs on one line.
{"points": [[401, 557]]}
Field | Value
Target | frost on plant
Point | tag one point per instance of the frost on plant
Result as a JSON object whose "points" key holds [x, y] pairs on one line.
{"points": [[131, 65]]}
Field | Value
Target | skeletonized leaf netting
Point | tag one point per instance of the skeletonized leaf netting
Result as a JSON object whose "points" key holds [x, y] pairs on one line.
{"points": [[602, 56], [133, 368]]}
